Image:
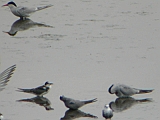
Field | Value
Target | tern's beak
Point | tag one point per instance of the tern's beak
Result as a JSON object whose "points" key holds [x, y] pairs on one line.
{"points": [[5, 5], [5, 32], [13, 34], [50, 84]]}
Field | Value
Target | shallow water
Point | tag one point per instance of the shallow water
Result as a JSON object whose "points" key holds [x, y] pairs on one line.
{"points": [[83, 47]]}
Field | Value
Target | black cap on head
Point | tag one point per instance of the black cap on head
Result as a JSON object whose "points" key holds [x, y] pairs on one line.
{"points": [[109, 90], [62, 97], [46, 83], [12, 3]]}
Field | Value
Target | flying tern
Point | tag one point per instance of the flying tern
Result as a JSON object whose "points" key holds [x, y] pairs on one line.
{"points": [[5, 75]]}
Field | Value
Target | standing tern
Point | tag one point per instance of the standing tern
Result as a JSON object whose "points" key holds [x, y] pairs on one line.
{"points": [[122, 90], [107, 112], [23, 12], [75, 104], [39, 91], [1, 116]]}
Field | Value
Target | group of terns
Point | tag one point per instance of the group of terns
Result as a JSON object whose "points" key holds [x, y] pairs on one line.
{"points": [[120, 90]]}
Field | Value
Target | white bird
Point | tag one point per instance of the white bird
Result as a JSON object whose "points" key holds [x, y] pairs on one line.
{"points": [[107, 112], [1, 116], [122, 90], [23, 12]]}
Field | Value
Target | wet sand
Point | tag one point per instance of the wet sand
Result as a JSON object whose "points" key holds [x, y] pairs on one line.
{"points": [[91, 45]]}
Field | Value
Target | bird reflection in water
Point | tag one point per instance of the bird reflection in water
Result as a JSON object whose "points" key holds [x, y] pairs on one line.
{"points": [[22, 25], [125, 103], [42, 101], [75, 114]]}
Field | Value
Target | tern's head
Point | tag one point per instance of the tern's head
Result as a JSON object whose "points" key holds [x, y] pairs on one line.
{"points": [[62, 98], [111, 89], [11, 34], [10, 4], [106, 106], [47, 84]]}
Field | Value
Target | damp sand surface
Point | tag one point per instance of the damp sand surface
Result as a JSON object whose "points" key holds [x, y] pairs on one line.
{"points": [[83, 47]]}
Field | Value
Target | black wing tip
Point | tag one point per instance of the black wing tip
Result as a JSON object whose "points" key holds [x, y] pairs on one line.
{"points": [[145, 91]]}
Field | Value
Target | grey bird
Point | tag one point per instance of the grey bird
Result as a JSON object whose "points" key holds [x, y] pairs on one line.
{"points": [[107, 112], [122, 90], [75, 114], [22, 25], [24, 12], [75, 104], [39, 91], [124, 103], [5, 76], [42, 101]]}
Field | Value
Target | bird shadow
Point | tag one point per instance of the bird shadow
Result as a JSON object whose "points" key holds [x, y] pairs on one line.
{"points": [[42, 101], [125, 103], [75, 114], [23, 25]]}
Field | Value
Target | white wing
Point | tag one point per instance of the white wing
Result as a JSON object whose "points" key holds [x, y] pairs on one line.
{"points": [[5, 75]]}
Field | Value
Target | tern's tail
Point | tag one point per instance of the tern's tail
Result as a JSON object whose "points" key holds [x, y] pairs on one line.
{"points": [[24, 90], [90, 101], [144, 91], [43, 7]]}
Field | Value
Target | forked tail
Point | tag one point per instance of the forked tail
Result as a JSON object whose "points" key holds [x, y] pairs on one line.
{"points": [[44, 7], [145, 91], [24, 90], [90, 101]]}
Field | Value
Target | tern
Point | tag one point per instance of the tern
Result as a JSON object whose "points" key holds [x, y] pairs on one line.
{"points": [[23, 12], [122, 90], [75, 104], [39, 91], [1, 116], [107, 112]]}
